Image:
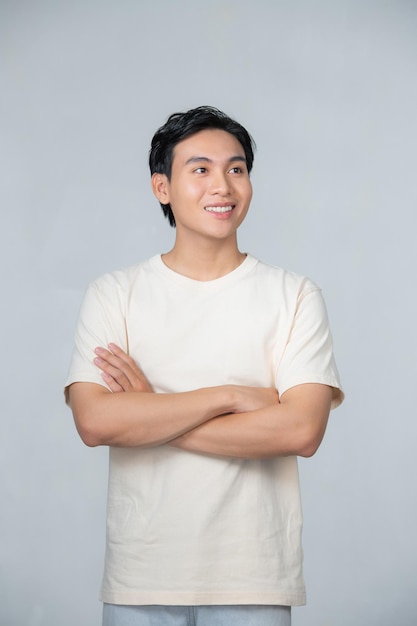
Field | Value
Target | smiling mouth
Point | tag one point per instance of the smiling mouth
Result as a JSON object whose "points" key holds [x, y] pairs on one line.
{"points": [[219, 209]]}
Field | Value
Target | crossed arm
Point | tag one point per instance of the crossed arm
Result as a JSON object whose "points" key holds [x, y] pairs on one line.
{"points": [[229, 420]]}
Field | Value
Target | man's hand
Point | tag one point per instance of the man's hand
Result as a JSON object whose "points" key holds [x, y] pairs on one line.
{"points": [[119, 370]]}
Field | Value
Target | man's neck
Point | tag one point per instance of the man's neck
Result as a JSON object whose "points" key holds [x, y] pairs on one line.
{"points": [[204, 262]]}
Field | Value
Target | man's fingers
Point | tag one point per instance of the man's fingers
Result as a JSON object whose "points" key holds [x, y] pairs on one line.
{"points": [[122, 369], [111, 383], [114, 372], [121, 362], [121, 354], [119, 359], [127, 359]]}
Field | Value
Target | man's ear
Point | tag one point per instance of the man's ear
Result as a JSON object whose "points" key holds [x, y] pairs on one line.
{"points": [[160, 187]]}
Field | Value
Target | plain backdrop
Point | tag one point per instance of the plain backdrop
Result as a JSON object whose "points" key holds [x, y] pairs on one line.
{"points": [[329, 91]]}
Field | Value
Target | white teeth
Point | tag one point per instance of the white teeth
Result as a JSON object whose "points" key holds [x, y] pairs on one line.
{"points": [[218, 209]]}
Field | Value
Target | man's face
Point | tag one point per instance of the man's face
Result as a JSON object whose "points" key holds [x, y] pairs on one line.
{"points": [[210, 190]]}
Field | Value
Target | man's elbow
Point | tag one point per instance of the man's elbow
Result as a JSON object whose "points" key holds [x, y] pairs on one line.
{"points": [[309, 449], [311, 439], [90, 438], [85, 402], [87, 430]]}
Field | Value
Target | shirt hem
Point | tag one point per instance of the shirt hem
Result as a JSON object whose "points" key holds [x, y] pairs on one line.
{"points": [[203, 598], [330, 381]]}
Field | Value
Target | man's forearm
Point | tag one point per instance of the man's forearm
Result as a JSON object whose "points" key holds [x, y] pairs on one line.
{"points": [[294, 427], [143, 419]]}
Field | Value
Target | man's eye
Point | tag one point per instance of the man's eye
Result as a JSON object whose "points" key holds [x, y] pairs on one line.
{"points": [[236, 170], [200, 170]]}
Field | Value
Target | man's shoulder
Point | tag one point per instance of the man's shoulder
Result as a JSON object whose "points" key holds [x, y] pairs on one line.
{"points": [[284, 279], [124, 278]]}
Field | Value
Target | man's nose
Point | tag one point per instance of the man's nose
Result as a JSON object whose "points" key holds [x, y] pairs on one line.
{"points": [[220, 183]]}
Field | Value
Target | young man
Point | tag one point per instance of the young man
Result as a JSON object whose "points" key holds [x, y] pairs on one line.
{"points": [[206, 372]]}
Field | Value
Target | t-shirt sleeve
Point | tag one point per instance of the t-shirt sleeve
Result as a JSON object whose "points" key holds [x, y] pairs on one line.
{"points": [[101, 321], [308, 355]]}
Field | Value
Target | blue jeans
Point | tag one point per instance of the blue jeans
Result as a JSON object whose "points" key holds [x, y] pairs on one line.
{"points": [[225, 615]]}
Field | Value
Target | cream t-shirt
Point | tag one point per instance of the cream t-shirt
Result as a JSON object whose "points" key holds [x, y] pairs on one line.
{"points": [[186, 528]]}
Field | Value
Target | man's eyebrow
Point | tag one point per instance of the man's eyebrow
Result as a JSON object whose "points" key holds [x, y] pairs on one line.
{"points": [[199, 159]]}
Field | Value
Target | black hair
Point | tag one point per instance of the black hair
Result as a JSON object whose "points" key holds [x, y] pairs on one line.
{"points": [[179, 126]]}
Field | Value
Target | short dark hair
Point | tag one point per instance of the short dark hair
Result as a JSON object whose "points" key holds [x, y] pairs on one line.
{"points": [[179, 126]]}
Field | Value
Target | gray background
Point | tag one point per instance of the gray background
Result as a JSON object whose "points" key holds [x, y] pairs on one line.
{"points": [[328, 89]]}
